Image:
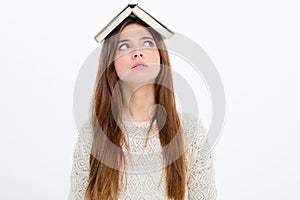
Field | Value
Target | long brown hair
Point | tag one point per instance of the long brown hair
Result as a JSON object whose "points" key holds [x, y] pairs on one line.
{"points": [[105, 181]]}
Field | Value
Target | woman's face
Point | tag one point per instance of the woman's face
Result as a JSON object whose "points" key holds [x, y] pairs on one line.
{"points": [[137, 58]]}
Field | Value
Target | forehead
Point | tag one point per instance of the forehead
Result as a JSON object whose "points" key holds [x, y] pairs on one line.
{"points": [[134, 31]]}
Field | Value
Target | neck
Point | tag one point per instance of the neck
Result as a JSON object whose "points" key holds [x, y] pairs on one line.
{"points": [[138, 103]]}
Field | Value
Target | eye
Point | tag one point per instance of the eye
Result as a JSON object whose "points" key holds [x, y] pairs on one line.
{"points": [[149, 43], [123, 47]]}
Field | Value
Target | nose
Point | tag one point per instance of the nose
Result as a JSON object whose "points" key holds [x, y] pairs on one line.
{"points": [[137, 53]]}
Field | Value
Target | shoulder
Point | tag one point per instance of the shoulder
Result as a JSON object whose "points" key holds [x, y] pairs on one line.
{"points": [[192, 127], [85, 133], [195, 140]]}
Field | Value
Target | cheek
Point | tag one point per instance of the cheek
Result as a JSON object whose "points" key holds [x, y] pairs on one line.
{"points": [[154, 57], [120, 66]]}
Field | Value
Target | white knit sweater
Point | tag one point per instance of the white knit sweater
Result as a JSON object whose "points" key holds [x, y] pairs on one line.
{"points": [[145, 179]]}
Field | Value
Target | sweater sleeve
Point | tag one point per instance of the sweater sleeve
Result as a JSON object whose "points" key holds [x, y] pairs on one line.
{"points": [[80, 165], [200, 179]]}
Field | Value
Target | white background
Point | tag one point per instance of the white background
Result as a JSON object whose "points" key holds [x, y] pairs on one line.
{"points": [[254, 45]]}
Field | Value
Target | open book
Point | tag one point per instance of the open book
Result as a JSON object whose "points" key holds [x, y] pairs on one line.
{"points": [[138, 12]]}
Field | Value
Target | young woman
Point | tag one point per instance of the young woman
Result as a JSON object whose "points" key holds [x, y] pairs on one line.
{"points": [[135, 145]]}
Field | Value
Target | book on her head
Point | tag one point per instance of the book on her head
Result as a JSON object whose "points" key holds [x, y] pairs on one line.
{"points": [[134, 9]]}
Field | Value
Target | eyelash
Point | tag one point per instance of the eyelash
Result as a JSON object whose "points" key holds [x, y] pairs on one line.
{"points": [[125, 44], [122, 46], [151, 43]]}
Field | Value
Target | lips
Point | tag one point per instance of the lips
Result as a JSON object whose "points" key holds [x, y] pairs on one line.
{"points": [[138, 64]]}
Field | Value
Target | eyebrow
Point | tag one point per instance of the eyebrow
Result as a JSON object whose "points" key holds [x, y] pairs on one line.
{"points": [[142, 38]]}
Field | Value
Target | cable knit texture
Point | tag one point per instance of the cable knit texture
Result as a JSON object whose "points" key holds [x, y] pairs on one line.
{"points": [[144, 165]]}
